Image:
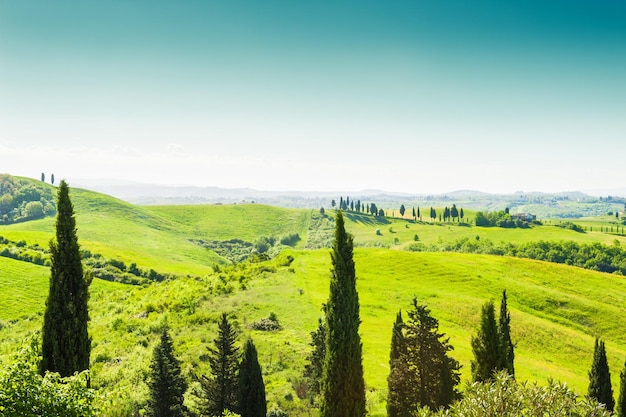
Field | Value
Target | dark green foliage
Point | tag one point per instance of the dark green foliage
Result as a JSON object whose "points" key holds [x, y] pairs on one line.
{"points": [[343, 387], [398, 381], [620, 407], [66, 345], [315, 366], [402, 210], [487, 346], [595, 256], [166, 384], [430, 375], [219, 391], [499, 219], [454, 212], [251, 387], [504, 327], [600, 377]]}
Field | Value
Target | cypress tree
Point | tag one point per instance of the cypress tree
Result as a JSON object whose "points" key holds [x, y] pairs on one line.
{"points": [[504, 326], [620, 409], [315, 366], [398, 384], [66, 345], [487, 346], [343, 387], [251, 387], [600, 377], [434, 374], [166, 384], [220, 390]]}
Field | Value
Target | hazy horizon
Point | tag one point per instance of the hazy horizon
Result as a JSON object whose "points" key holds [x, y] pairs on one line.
{"points": [[408, 97]]}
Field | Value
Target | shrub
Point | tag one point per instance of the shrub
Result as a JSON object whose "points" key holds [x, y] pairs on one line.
{"points": [[290, 240], [268, 324]]}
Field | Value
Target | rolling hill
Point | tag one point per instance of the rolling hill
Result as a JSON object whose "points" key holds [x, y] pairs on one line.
{"points": [[556, 310]]}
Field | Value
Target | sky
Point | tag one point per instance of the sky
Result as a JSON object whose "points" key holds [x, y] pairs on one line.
{"points": [[403, 96]]}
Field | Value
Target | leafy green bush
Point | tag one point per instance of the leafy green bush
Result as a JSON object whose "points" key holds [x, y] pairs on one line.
{"points": [[25, 393], [505, 397]]}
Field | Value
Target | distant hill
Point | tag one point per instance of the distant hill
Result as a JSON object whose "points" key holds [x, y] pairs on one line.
{"points": [[571, 204]]}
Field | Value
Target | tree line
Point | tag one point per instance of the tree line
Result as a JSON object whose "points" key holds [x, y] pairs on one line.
{"points": [[447, 214], [594, 256]]}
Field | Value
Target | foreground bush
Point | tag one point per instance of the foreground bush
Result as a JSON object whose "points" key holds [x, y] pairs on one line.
{"points": [[505, 397], [25, 393]]}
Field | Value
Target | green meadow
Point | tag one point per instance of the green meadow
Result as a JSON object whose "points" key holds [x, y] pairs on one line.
{"points": [[556, 310]]}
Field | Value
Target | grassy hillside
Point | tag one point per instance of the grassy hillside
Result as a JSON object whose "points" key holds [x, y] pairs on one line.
{"points": [[556, 310], [160, 238]]}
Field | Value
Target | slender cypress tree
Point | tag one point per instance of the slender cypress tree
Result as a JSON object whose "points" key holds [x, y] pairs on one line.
{"points": [[251, 387], [314, 368], [620, 409], [600, 377], [504, 326], [66, 345], [343, 386], [487, 346], [166, 384], [220, 391], [398, 383]]}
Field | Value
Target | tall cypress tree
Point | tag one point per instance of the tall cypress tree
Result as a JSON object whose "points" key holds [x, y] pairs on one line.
{"points": [[251, 387], [66, 345], [487, 346], [504, 326], [220, 390], [600, 377], [398, 381], [620, 409], [343, 386], [166, 384]]}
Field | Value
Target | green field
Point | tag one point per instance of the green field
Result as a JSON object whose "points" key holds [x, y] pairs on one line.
{"points": [[556, 310]]}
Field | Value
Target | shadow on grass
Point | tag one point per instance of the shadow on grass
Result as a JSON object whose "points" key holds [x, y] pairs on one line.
{"points": [[366, 219]]}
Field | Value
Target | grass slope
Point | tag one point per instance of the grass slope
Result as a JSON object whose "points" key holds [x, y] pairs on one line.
{"points": [[160, 237], [556, 312]]}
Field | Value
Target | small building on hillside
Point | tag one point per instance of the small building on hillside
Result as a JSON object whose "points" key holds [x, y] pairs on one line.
{"points": [[526, 217]]}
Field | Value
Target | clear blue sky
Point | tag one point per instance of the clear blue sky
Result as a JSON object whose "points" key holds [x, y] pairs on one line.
{"points": [[415, 96]]}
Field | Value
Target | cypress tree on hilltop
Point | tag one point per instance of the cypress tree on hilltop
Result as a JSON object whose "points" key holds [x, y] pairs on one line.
{"points": [[343, 386], [251, 387], [504, 326], [220, 391], [600, 377], [66, 345], [487, 346], [166, 384]]}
